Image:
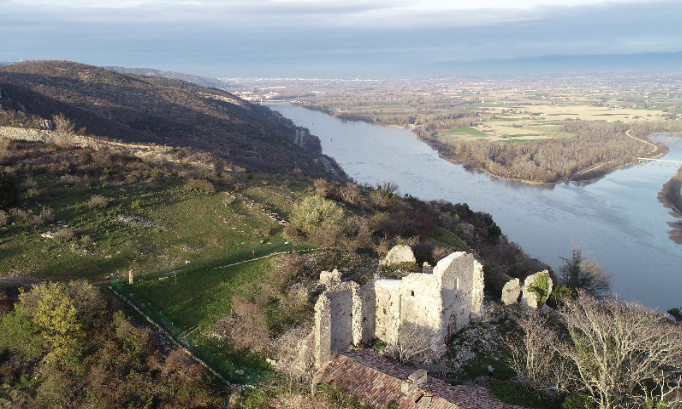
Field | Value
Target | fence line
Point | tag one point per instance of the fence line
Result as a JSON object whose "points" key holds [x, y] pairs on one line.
{"points": [[170, 337], [185, 333]]}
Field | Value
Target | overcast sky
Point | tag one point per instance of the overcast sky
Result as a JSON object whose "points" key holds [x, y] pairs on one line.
{"points": [[328, 38]]}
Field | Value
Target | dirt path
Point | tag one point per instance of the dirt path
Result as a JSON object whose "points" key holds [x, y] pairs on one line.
{"points": [[643, 141]]}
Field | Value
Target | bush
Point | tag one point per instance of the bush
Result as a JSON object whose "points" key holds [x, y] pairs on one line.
{"points": [[578, 402], [381, 198], [350, 194], [64, 234], [522, 394], [46, 215], [316, 216], [19, 216], [8, 191], [200, 185], [98, 201]]}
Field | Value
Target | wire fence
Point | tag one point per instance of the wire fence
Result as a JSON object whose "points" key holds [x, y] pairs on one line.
{"points": [[211, 356]]}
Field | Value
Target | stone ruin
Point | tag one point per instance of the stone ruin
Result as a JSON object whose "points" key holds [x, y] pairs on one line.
{"points": [[398, 255], [439, 301], [529, 292]]}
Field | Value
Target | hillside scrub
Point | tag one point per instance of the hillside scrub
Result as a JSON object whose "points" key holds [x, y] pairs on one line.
{"points": [[140, 109], [62, 347], [205, 263]]}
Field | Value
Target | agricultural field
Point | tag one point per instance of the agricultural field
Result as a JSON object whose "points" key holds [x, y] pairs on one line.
{"points": [[536, 130]]}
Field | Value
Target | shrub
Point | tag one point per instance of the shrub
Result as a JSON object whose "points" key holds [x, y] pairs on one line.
{"points": [[8, 191], [356, 233], [79, 183], [315, 214], [98, 201], [246, 327], [86, 240], [228, 198], [321, 187], [381, 198], [46, 215], [19, 216], [4, 218], [350, 194], [578, 402], [200, 185], [522, 394], [64, 234]]}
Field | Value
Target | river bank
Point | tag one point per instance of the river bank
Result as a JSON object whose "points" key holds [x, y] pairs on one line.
{"points": [[671, 197], [545, 174]]}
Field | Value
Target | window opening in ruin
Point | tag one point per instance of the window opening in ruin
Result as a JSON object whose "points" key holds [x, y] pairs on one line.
{"points": [[412, 293]]}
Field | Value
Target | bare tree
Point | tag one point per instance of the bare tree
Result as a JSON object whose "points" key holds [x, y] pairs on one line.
{"points": [[623, 354], [581, 271], [414, 343], [295, 357], [63, 130], [531, 348]]}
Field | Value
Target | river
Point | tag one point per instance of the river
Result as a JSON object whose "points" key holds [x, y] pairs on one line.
{"points": [[617, 218]]}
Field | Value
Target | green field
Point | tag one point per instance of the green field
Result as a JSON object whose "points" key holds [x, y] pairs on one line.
{"points": [[462, 132]]}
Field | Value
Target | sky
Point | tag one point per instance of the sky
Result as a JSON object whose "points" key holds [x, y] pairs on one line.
{"points": [[329, 38]]}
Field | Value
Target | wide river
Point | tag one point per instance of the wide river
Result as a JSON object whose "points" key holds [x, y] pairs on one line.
{"points": [[617, 218]]}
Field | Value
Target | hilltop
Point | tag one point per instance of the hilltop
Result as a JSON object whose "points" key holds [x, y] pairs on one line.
{"points": [[225, 263], [144, 109], [224, 255]]}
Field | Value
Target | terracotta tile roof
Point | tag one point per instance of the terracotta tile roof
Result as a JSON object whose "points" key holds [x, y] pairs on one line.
{"points": [[376, 381]]}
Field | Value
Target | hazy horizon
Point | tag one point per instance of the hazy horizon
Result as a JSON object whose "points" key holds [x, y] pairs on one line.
{"points": [[342, 39]]}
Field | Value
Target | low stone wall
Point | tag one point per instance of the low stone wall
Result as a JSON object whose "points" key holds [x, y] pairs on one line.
{"points": [[23, 134]]}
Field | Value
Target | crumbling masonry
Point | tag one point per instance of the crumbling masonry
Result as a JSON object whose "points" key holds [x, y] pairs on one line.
{"points": [[438, 302]]}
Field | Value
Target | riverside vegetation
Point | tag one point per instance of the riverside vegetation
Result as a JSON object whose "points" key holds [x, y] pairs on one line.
{"points": [[227, 260], [540, 130]]}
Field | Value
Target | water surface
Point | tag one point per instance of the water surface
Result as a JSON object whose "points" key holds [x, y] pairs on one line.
{"points": [[617, 218]]}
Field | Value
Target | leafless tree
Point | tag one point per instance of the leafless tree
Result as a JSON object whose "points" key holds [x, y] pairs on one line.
{"points": [[414, 343], [623, 354], [295, 357], [531, 348]]}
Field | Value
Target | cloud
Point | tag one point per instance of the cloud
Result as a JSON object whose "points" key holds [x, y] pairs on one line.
{"points": [[337, 13], [334, 34]]}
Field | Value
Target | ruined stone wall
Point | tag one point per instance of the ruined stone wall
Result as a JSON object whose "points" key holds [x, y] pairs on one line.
{"points": [[388, 302], [322, 331], [341, 304], [337, 319], [11, 132], [422, 302], [441, 303], [461, 278], [368, 316]]}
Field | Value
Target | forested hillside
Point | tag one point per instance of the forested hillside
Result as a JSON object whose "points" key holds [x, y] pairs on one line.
{"points": [[133, 108]]}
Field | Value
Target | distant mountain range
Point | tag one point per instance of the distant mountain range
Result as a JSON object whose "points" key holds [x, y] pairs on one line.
{"points": [[194, 79], [152, 109], [565, 64]]}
